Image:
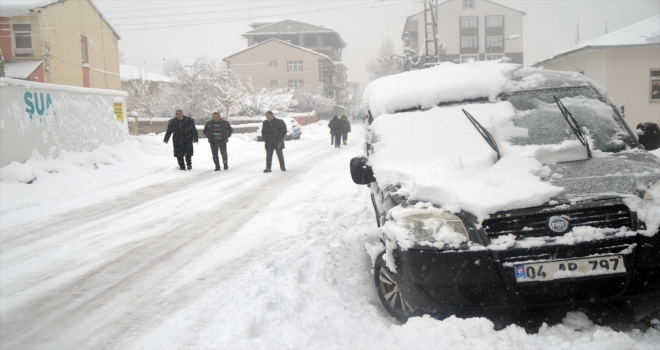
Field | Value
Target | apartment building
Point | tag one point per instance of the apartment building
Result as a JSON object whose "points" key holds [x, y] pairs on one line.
{"points": [[65, 42], [467, 29], [290, 54]]}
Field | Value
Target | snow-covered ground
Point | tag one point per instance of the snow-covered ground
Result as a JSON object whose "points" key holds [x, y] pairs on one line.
{"points": [[117, 248]]}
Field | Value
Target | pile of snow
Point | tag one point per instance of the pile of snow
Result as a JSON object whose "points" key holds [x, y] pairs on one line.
{"points": [[443, 83]]}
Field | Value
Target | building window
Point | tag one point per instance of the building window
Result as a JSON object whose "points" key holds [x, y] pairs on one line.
{"points": [[495, 40], [273, 63], [23, 40], [468, 4], [494, 57], [293, 66], [273, 83], [466, 58], [469, 41], [83, 49], [287, 26], [494, 21], [468, 22], [295, 84], [655, 86]]}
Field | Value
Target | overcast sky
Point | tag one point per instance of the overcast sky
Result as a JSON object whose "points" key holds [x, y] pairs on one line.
{"points": [[155, 30]]}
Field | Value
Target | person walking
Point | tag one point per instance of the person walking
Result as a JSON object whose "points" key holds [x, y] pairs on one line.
{"points": [[218, 131], [273, 132], [336, 129], [346, 124], [185, 133]]}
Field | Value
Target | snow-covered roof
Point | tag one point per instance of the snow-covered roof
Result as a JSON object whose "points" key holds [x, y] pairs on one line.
{"points": [[642, 33], [21, 69], [11, 8], [128, 73], [316, 29], [280, 42]]}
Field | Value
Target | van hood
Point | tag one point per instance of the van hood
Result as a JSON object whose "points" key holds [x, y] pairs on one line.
{"points": [[621, 174]]}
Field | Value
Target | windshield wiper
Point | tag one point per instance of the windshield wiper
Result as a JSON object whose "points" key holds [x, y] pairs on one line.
{"points": [[575, 126], [484, 133]]}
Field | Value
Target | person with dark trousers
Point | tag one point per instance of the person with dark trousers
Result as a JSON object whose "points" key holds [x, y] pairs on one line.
{"points": [[273, 132], [218, 131], [336, 129], [185, 133], [346, 124]]}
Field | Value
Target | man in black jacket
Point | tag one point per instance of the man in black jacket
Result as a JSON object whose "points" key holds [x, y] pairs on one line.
{"points": [[218, 131], [185, 133], [273, 132]]}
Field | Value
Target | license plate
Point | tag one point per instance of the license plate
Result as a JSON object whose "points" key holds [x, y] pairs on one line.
{"points": [[560, 269]]}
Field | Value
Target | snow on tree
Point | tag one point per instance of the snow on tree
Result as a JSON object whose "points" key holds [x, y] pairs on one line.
{"points": [[313, 98], [193, 86], [231, 96], [141, 99], [388, 62], [258, 101]]}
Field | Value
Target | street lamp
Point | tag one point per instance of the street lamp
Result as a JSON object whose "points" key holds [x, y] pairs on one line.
{"points": [[490, 45]]}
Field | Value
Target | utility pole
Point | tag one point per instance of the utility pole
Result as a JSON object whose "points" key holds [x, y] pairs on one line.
{"points": [[431, 33]]}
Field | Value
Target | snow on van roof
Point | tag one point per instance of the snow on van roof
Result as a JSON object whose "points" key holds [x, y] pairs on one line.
{"points": [[443, 83], [10, 8]]}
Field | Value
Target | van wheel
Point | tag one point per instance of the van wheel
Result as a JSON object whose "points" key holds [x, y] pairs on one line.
{"points": [[389, 294]]}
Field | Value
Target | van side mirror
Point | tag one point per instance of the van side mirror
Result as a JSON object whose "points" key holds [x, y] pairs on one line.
{"points": [[649, 135], [361, 172]]}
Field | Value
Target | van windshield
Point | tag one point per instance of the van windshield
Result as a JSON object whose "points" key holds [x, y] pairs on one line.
{"points": [[537, 112]]}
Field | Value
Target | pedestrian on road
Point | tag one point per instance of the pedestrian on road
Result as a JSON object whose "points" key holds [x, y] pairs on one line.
{"points": [[346, 128], [218, 131], [273, 132], [185, 133], [336, 129]]}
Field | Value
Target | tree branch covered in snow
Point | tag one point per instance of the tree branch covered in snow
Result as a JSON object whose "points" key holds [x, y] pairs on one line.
{"points": [[258, 101], [313, 98]]}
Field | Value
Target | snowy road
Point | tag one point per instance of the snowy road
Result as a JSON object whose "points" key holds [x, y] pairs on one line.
{"points": [[131, 253]]}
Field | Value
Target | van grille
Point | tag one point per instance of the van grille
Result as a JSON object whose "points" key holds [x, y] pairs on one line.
{"points": [[530, 225]]}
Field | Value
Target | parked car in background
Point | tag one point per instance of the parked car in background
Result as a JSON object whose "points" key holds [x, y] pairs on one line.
{"points": [[293, 130], [505, 189]]}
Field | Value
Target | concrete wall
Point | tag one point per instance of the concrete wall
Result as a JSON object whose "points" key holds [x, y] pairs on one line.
{"points": [[46, 118], [628, 72], [624, 72]]}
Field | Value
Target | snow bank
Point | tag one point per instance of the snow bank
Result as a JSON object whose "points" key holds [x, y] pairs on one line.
{"points": [[443, 83], [469, 177], [49, 118]]}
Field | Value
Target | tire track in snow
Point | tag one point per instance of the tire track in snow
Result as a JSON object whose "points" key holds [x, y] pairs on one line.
{"points": [[69, 310]]}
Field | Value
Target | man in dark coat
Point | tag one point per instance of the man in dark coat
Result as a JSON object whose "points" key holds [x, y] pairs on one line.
{"points": [[336, 129], [346, 128], [218, 131], [185, 133], [273, 132]]}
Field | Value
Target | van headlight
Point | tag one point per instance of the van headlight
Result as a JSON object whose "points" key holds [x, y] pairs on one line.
{"points": [[653, 192], [427, 226]]}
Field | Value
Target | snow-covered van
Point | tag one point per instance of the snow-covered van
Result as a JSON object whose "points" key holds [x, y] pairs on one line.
{"points": [[502, 188]]}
